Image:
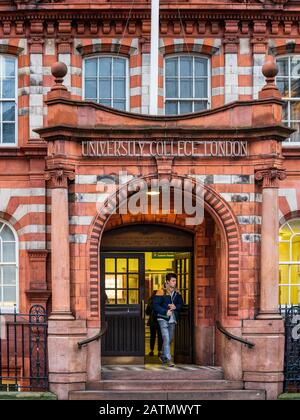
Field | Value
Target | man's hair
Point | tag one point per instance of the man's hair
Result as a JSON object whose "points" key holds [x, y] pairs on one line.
{"points": [[170, 276]]}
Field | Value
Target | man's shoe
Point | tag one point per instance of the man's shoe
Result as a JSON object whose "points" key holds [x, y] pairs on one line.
{"points": [[151, 353], [170, 363], [162, 359]]}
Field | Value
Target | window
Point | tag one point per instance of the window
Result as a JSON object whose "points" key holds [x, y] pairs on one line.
{"points": [[186, 84], [288, 82], [289, 263], [8, 267], [8, 104], [105, 81]]}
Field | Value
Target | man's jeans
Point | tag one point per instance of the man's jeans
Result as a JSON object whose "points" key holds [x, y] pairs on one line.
{"points": [[167, 332]]}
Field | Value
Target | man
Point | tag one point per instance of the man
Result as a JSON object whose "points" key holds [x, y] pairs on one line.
{"points": [[167, 304]]}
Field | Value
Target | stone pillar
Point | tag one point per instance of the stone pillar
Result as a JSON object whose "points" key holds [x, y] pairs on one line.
{"points": [[67, 363], [269, 277], [60, 248]]}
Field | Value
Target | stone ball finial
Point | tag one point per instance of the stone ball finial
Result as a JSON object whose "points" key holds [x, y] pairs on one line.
{"points": [[59, 70], [270, 69]]}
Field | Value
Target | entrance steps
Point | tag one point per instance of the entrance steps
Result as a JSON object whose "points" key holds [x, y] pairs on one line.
{"points": [[149, 382]]}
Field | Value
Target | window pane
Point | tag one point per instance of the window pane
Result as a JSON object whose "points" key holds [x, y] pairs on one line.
{"points": [[296, 249], [9, 275], [284, 295], [110, 297], [110, 281], [91, 67], [133, 265], [119, 105], [104, 88], [186, 66], [8, 133], [283, 86], [295, 295], [119, 67], [295, 88], [133, 297], [201, 88], [105, 102], [171, 88], [8, 88], [295, 66], [9, 294], [284, 274], [91, 89], [295, 274], [121, 265], [171, 108], [200, 105], [8, 111], [185, 107], [110, 265], [285, 232], [283, 66], [9, 67], [295, 110], [186, 88], [171, 67], [105, 66], [284, 251], [295, 136], [9, 252], [119, 88], [133, 281], [200, 67], [122, 297], [7, 234]]}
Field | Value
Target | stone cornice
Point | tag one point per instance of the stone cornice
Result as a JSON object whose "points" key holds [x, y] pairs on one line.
{"points": [[278, 133], [257, 13]]}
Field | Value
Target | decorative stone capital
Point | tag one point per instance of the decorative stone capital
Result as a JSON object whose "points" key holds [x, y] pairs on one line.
{"points": [[59, 177], [270, 177]]}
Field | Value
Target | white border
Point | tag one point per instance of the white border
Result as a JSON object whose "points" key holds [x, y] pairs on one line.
{"points": [[180, 54], [97, 55], [7, 309]]}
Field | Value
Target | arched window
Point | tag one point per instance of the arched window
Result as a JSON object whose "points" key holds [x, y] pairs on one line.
{"points": [[288, 82], [8, 267], [106, 81], [187, 84], [289, 263], [8, 106]]}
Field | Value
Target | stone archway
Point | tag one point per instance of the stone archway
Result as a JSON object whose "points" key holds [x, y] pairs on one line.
{"points": [[218, 209]]}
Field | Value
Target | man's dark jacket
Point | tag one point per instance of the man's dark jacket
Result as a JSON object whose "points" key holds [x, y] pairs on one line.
{"points": [[161, 301]]}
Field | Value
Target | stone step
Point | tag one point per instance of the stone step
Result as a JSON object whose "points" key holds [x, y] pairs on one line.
{"points": [[226, 394], [163, 385], [191, 372]]}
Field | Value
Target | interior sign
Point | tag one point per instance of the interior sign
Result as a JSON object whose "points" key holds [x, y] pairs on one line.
{"points": [[164, 148]]}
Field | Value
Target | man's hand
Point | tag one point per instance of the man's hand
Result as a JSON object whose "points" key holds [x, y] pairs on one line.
{"points": [[172, 306], [169, 313]]}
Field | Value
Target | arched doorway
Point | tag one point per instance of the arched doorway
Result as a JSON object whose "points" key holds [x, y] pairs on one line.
{"points": [[215, 291]]}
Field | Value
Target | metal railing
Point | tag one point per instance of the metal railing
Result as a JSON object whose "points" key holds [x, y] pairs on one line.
{"points": [[23, 350], [96, 337], [233, 337], [292, 348]]}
